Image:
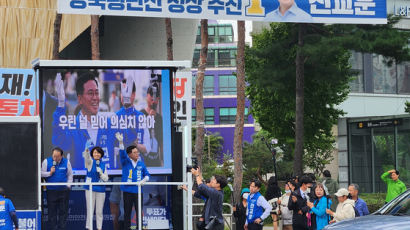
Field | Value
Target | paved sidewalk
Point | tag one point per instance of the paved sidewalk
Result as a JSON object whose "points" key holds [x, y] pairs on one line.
{"points": [[267, 228]]}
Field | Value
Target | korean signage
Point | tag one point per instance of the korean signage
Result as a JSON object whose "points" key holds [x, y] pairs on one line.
{"points": [[182, 93], [18, 95], [308, 11], [29, 220], [379, 123]]}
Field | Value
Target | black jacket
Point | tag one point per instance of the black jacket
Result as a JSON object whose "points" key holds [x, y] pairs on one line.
{"points": [[298, 220], [240, 216]]}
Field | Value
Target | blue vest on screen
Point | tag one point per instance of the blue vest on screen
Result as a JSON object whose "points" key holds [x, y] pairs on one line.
{"points": [[254, 211], [5, 220], [60, 175], [95, 177]]}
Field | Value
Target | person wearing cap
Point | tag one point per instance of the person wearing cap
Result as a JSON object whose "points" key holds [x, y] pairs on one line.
{"points": [[239, 210], [8, 215], [345, 208], [57, 169], [96, 172], [394, 185]]}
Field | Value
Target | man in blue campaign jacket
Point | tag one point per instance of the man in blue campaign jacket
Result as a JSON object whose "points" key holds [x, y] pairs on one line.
{"points": [[7, 213], [87, 123], [258, 208], [139, 135], [133, 170], [57, 169]]}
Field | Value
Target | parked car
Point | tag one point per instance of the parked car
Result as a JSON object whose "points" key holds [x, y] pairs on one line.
{"points": [[393, 215]]}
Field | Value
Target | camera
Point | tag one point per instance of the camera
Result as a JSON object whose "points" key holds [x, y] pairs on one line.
{"points": [[194, 164]]}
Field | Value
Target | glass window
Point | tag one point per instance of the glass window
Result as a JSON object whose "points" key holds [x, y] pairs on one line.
{"points": [[225, 34], [403, 151], [210, 60], [403, 72], [195, 60], [198, 35], [227, 85], [211, 34], [384, 76], [209, 85], [361, 157], [383, 144], [193, 114], [227, 57], [357, 83], [227, 115], [209, 116], [193, 84]]}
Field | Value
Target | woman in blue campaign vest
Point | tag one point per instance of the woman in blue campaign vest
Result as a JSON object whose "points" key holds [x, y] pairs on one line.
{"points": [[96, 172], [7, 213]]}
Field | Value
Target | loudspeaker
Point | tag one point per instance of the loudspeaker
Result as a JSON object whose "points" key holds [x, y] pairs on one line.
{"points": [[177, 176]]}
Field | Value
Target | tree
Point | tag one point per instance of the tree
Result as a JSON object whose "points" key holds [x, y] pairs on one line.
{"points": [[257, 159], [168, 28], [215, 145], [240, 114], [199, 96], [326, 51], [95, 37], [56, 36]]}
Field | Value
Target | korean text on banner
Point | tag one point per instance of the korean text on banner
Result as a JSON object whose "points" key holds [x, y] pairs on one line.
{"points": [[303, 11]]}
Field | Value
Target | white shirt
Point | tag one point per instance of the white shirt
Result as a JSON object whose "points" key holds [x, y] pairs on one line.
{"points": [[45, 173]]}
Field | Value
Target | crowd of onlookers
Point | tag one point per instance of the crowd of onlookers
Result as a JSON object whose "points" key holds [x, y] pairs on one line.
{"points": [[307, 203]]}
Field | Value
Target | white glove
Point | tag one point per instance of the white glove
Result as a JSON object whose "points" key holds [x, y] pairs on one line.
{"points": [[126, 91], [143, 181], [119, 137], [99, 170], [59, 88]]}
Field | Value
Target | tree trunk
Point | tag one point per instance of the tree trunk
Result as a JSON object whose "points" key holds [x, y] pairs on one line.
{"points": [[199, 97], [56, 36], [240, 111], [168, 28], [95, 37], [300, 104]]}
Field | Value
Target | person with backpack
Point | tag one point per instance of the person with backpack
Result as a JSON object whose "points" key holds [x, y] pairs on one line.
{"points": [[345, 209], [318, 208]]}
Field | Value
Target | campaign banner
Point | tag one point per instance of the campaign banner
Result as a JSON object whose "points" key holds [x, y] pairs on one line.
{"points": [[29, 220], [18, 94], [183, 97], [85, 108], [303, 11]]}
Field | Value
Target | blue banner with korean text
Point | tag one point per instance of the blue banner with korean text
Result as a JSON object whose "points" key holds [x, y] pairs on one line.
{"points": [[303, 11]]}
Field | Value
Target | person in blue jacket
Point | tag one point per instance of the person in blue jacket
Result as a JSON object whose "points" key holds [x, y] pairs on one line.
{"points": [[85, 130], [7, 213], [57, 169], [319, 206], [133, 170], [258, 208], [96, 172]]}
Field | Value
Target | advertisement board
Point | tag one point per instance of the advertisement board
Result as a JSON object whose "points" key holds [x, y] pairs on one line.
{"points": [[18, 94], [87, 107], [304, 11]]}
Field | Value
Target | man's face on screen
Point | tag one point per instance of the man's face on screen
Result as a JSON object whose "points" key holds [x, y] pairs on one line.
{"points": [[152, 103], [90, 99], [286, 3], [56, 156]]}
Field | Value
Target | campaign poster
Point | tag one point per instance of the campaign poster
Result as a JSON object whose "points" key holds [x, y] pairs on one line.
{"points": [[18, 92], [84, 108]]}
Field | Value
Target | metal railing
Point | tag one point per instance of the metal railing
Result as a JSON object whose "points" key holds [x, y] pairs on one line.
{"points": [[139, 184], [225, 215]]}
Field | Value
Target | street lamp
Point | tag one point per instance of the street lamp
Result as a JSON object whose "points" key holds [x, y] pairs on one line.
{"points": [[272, 149]]}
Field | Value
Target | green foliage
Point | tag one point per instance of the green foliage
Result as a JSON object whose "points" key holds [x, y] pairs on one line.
{"points": [[407, 109], [271, 70], [271, 77], [216, 144], [374, 201], [257, 159]]}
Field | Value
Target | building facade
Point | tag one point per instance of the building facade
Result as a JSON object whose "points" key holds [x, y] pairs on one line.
{"points": [[220, 86]]}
